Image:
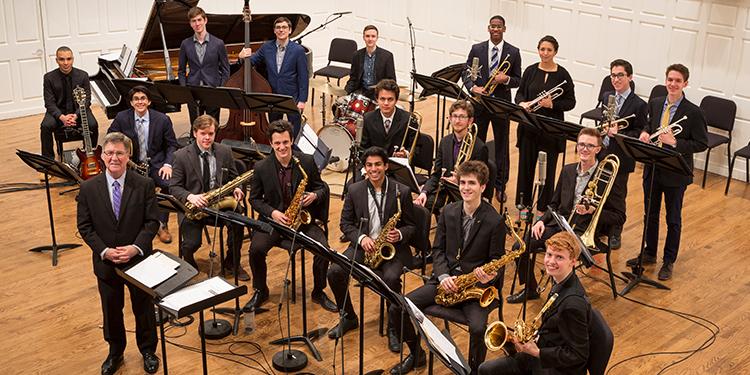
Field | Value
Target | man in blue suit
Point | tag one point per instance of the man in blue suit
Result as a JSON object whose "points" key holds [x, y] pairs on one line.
{"points": [[286, 68], [491, 54], [206, 57], [154, 143]]}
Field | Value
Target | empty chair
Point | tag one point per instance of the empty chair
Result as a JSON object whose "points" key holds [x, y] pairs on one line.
{"points": [[601, 342], [340, 51], [744, 153], [657, 91], [719, 113]]}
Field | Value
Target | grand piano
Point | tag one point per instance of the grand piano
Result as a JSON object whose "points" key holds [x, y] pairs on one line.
{"points": [[167, 26]]}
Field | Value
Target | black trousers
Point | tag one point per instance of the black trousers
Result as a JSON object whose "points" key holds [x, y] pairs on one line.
{"points": [[501, 134], [518, 364], [338, 277], [423, 297], [673, 197], [262, 243], [528, 152], [191, 232], [197, 110], [50, 124], [163, 185], [621, 182], [112, 294]]}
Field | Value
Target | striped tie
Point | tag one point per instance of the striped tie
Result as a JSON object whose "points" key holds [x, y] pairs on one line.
{"points": [[142, 146], [495, 59], [116, 198]]}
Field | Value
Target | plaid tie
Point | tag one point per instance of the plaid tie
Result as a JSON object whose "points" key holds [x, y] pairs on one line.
{"points": [[116, 199], [142, 146], [387, 125], [495, 59]]}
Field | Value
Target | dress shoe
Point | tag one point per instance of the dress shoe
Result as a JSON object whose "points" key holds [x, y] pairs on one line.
{"points": [[42, 177], [242, 275], [345, 325], [111, 364], [164, 235], [256, 301], [615, 242], [665, 273], [647, 259], [322, 299], [150, 363], [411, 362], [394, 344], [501, 196], [518, 297]]}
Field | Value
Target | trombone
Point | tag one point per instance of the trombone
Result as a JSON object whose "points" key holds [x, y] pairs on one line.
{"points": [[414, 117], [675, 127], [553, 93], [464, 154]]}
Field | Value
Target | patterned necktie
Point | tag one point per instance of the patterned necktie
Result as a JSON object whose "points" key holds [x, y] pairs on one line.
{"points": [[618, 103], [665, 119], [495, 59], [116, 198], [142, 146], [206, 172], [387, 124]]}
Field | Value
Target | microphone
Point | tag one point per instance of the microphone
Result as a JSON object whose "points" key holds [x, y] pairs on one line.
{"points": [[360, 124], [611, 107], [407, 270], [474, 69], [542, 168], [409, 21], [340, 13]]}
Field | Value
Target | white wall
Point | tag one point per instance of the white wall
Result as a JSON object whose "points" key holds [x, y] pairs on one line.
{"points": [[711, 37]]}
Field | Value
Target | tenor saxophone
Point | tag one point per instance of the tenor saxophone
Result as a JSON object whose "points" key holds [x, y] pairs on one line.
{"points": [[384, 250], [296, 215], [497, 332], [220, 198]]}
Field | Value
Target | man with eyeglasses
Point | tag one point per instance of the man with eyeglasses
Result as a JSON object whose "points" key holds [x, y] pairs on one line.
{"points": [[461, 118], [154, 144], [571, 186], [626, 103], [286, 68], [491, 54]]}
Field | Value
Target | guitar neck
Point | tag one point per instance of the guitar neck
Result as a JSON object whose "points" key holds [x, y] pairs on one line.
{"points": [[86, 132]]}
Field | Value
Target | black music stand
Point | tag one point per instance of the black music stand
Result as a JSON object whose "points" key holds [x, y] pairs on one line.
{"points": [[175, 94], [399, 168], [651, 156], [124, 85], [451, 72], [49, 166], [558, 128], [309, 143], [503, 108], [263, 102], [220, 97]]}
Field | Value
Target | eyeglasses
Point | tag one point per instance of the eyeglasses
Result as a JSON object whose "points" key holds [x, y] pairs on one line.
{"points": [[140, 98], [496, 27], [281, 27], [587, 146], [459, 117], [617, 75], [119, 154]]}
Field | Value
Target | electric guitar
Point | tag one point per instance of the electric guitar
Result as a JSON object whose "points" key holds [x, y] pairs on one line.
{"points": [[91, 158]]}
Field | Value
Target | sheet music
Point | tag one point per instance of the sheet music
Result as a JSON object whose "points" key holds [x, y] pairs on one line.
{"points": [[307, 140], [196, 293], [437, 339], [153, 270], [404, 162]]}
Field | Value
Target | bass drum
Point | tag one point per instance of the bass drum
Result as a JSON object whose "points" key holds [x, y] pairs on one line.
{"points": [[339, 140]]}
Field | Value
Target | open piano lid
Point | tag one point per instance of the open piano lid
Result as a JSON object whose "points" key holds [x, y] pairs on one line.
{"points": [[228, 27]]}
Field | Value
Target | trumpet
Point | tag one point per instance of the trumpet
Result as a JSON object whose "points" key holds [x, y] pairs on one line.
{"points": [[414, 117], [621, 123], [497, 332], [553, 93], [503, 67], [675, 127]]}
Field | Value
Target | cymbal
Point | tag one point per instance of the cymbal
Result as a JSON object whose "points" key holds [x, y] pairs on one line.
{"points": [[327, 88], [404, 96]]}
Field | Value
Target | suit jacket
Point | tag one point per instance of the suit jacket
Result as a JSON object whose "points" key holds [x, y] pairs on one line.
{"points": [[445, 160], [356, 207], [564, 333], [481, 50], [162, 142], [137, 224], [486, 240], [384, 68], [265, 190], [633, 104], [564, 196], [186, 170], [373, 132], [54, 96], [692, 139], [292, 79], [213, 71]]}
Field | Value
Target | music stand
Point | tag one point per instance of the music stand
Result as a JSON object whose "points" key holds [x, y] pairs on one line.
{"points": [[309, 143], [219, 97], [175, 94], [263, 102], [558, 128], [503, 108], [49, 166], [399, 168], [451, 72], [124, 85], [652, 156]]}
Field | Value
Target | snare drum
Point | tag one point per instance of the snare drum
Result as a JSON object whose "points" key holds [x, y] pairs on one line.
{"points": [[349, 123], [339, 140], [360, 104]]}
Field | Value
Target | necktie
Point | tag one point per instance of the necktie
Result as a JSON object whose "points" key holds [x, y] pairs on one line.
{"points": [[665, 119], [387, 124], [206, 172], [142, 146], [618, 103], [494, 60], [116, 199]]}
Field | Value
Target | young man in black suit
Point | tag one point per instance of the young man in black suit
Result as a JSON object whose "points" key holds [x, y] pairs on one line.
{"points": [[563, 344], [491, 54], [470, 234], [274, 184], [198, 169], [385, 126], [204, 57], [693, 138], [373, 199], [626, 103], [154, 144], [62, 109], [571, 185], [461, 118], [370, 65], [117, 218]]}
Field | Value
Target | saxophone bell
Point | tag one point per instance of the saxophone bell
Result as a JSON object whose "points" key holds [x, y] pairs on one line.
{"points": [[496, 335], [387, 251], [489, 294]]}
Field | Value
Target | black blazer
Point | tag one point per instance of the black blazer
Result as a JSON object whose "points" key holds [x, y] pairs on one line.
{"points": [[356, 207], [692, 139], [633, 104], [137, 225], [384, 68], [265, 190], [213, 71], [373, 132], [564, 196], [53, 93], [162, 142], [186, 170], [564, 333], [481, 50], [445, 160], [486, 240]]}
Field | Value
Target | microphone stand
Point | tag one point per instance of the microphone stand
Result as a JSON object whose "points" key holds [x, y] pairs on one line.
{"points": [[538, 186], [412, 39], [354, 156], [321, 26]]}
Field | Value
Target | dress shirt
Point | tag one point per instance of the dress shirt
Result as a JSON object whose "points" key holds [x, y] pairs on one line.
{"points": [[110, 181]]}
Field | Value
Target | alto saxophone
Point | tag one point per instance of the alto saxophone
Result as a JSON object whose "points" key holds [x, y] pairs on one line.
{"points": [[384, 250], [141, 168], [467, 283], [220, 198], [497, 332], [296, 215]]}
